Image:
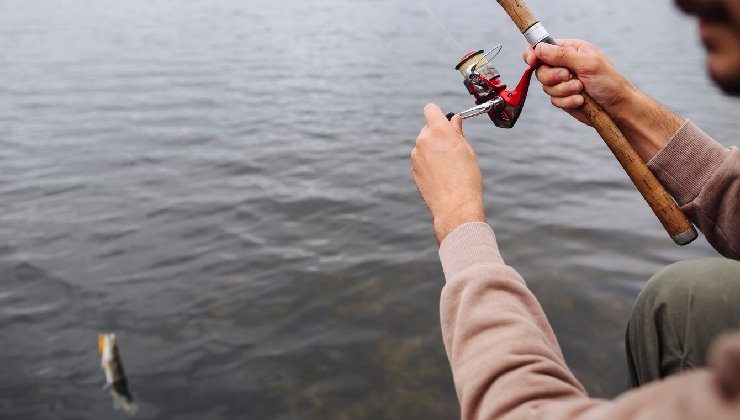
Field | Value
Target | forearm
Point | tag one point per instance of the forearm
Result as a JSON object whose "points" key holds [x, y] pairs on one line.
{"points": [[506, 362], [701, 175], [704, 178], [502, 350], [646, 123]]}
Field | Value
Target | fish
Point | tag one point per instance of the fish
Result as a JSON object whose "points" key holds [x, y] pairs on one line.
{"points": [[115, 378]]}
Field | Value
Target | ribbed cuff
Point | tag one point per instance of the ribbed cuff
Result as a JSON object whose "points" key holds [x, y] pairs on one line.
{"points": [[687, 162], [470, 244]]}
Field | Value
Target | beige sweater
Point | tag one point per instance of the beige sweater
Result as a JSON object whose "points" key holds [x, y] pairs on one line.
{"points": [[506, 361]]}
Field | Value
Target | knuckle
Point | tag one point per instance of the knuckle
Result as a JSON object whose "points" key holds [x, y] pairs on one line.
{"points": [[564, 103], [562, 89], [573, 101], [567, 88], [553, 91], [548, 77], [540, 75]]}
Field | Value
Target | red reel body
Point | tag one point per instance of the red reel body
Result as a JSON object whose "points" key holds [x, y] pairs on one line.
{"points": [[483, 81]]}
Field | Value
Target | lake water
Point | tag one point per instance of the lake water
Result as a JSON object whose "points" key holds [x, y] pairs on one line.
{"points": [[226, 185]]}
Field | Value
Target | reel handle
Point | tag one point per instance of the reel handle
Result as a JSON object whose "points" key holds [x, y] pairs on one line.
{"points": [[670, 215]]}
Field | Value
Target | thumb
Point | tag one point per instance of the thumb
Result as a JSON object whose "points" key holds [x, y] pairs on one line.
{"points": [[529, 56], [457, 122], [557, 56]]}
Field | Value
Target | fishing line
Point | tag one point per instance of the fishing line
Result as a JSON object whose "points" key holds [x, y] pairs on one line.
{"points": [[441, 25]]}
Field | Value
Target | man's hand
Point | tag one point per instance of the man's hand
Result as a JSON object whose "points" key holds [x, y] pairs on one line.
{"points": [[646, 123], [447, 174], [592, 70]]}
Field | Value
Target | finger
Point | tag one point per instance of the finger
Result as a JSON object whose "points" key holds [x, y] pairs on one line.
{"points": [[570, 102], [551, 76], [565, 89], [576, 44], [457, 122], [558, 56], [422, 135], [529, 56], [433, 114]]}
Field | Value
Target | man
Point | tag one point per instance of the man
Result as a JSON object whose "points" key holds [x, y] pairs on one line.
{"points": [[505, 359]]}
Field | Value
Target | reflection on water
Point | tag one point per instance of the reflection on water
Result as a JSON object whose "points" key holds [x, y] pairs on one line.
{"points": [[226, 186]]}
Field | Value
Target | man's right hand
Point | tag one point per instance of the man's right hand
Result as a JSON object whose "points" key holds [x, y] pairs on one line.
{"points": [[592, 70]]}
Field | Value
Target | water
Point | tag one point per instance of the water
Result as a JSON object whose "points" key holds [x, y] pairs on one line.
{"points": [[226, 185]]}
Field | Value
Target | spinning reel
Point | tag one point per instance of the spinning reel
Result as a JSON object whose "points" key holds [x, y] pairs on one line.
{"points": [[483, 81]]}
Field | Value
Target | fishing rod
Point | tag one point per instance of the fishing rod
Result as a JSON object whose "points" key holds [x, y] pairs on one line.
{"points": [[504, 107]]}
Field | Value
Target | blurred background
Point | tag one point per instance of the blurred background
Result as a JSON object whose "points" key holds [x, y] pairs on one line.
{"points": [[226, 185]]}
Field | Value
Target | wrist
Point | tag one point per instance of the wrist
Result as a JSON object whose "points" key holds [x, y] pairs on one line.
{"points": [[446, 224], [647, 124], [628, 104]]}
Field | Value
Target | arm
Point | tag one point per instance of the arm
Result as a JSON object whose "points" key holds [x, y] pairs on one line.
{"points": [[505, 359], [501, 348], [504, 355], [701, 175], [704, 178], [506, 362]]}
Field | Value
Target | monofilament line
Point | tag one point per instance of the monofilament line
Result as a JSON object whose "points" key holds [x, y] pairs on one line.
{"points": [[441, 25]]}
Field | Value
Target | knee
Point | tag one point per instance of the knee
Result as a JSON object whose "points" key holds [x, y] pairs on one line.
{"points": [[700, 283], [670, 285]]}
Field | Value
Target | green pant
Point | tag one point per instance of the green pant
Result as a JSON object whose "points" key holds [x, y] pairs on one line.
{"points": [[678, 314]]}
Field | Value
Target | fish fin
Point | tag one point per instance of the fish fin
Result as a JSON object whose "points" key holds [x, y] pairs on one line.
{"points": [[101, 342]]}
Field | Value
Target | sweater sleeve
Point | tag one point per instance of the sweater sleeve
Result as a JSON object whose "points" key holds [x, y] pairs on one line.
{"points": [[502, 349], [505, 359], [704, 178]]}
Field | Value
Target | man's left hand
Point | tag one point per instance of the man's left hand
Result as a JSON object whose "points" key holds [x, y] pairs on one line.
{"points": [[447, 174]]}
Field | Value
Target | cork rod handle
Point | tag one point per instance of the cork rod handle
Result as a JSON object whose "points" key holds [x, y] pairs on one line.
{"points": [[519, 12], [670, 215]]}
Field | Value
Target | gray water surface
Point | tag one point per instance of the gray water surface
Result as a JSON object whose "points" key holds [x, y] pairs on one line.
{"points": [[226, 185]]}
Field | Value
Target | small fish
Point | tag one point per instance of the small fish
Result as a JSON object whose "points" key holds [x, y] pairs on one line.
{"points": [[115, 378]]}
